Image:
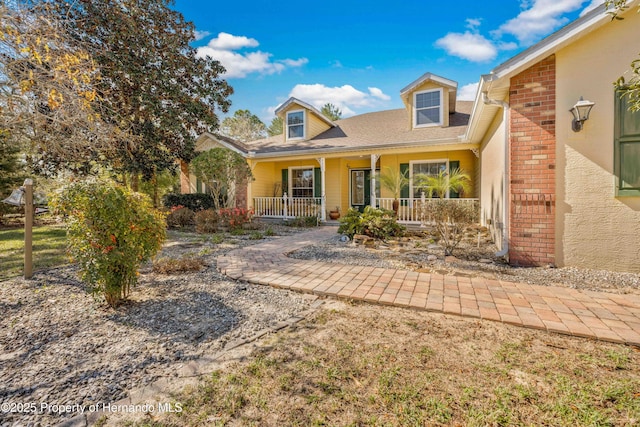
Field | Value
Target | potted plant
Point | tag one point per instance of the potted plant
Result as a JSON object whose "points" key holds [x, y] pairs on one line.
{"points": [[335, 214], [394, 181]]}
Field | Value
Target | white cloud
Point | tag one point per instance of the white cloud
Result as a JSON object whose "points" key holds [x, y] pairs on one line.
{"points": [[468, 45], [346, 97], [473, 23], [226, 41], [538, 20], [240, 64], [377, 93], [201, 34], [468, 92]]}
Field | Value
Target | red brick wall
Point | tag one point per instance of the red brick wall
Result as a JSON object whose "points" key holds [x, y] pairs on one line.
{"points": [[532, 98]]}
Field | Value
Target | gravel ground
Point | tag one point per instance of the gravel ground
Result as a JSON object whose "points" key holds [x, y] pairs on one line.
{"points": [[60, 346], [419, 253]]}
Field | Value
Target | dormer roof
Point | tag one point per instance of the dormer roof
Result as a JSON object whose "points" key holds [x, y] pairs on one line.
{"points": [[284, 106], [437, 80]]}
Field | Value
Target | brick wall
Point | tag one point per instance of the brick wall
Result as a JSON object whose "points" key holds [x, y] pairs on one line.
{"points": [[533, 161]]}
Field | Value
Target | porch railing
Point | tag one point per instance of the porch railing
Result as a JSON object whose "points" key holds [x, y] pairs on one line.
{"points": [[287, 207], [412, 211]]}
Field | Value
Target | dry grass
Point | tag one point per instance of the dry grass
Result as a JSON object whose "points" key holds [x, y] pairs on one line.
{"points": [[365, 365], [185, 264]]}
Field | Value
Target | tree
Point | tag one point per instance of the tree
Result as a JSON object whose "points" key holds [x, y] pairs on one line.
{"points": [[394, 181], [49, 103], [243, 127], [444, 182], [331, 112], [152, 83], [629, 87], [10, 178], [223, 171], [275, 128]]}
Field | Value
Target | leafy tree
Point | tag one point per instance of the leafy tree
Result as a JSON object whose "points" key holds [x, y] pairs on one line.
{"points": [[631, 86], [243, 126], [223, 171], [275, 128], [331, 112], [152, 83]]}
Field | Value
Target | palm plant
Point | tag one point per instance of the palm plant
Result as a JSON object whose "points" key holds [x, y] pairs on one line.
{"points": [[439, 185], [394, 181]]}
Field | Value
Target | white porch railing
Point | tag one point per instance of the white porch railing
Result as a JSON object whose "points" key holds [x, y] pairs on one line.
{"points": [[411, 211], [287, 207]]}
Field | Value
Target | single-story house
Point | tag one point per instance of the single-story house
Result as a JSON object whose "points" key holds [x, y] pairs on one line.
{"points": [[552, 191]]}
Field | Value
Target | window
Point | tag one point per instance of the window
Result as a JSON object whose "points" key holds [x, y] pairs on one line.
{"points": [[428, 108], [302, 182], [426, 168], [295, 124], [627, 148]]}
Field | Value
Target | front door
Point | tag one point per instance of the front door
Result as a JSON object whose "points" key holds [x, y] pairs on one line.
{"points": [[360, 188]]}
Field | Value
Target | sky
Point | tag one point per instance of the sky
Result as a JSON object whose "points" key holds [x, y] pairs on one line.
{"points": [[359, 54]]}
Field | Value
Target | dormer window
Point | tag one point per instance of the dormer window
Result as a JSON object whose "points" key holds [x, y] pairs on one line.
{"points": [[427, 108], [295, 124]]}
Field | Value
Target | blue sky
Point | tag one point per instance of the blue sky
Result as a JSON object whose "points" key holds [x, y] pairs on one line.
{"points": [[359, 54]]}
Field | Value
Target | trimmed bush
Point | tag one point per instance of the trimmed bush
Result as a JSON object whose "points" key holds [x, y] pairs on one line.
{"points": [[111, 231], [450, 219], [180, 217], [376, 223], [235, 218], [195, 201], [207, 221]]}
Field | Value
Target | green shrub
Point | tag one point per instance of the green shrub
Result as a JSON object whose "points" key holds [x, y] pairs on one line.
{"points": [[256, 235], [195, 201], [303, 221], [180, 217], [111, 231], [207, 221], [376, 223]]}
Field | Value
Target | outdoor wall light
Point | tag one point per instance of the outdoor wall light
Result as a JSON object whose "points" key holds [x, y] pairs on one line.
{"points": [[580, 112]]}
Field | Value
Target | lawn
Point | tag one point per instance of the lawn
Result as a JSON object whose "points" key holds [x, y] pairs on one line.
{"points": [[356, 365], [49, 243]]}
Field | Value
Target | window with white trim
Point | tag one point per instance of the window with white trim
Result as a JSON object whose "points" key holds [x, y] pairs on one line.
{"points": [[427, 106], [295, 124], [426, 168], [301, 182]]}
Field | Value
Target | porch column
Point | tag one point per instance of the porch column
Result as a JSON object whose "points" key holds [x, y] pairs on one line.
{"points": [[323, 193], [374, 160]]}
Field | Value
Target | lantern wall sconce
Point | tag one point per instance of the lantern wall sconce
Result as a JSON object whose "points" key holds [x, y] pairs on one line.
{"points": [[580, 112]]}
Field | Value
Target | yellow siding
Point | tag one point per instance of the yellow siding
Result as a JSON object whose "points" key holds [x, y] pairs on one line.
{"points": [[426, 86], [314, 126]]}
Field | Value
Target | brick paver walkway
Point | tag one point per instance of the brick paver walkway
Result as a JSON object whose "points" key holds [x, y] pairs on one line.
{"points": [[600, 315]]}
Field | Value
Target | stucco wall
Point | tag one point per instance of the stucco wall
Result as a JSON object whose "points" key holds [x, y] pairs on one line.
{"points": [[492, 175], [594, 228]]}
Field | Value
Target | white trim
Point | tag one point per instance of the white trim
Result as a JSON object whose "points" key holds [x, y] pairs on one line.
{"points": [[290, 183], [421, 162], [304, 125], [425, 77], [440, 108], [303, 104]]}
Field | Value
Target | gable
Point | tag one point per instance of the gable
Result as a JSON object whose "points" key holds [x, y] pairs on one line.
{"points": [[437, 89], [313, 122]]}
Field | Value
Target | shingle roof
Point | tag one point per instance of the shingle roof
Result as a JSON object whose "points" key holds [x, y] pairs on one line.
{"points": [[370, 130]]}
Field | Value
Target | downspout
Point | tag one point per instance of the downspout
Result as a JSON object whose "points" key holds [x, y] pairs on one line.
{"points": [[505, 181]]}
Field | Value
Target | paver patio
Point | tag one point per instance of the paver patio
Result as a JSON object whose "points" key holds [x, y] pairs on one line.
{"points": [[599, 315]]}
